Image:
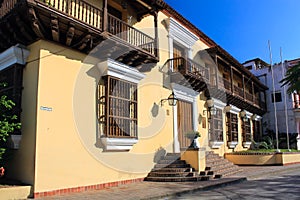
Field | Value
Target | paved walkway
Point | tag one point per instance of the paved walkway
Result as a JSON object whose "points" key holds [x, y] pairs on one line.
{"points": [[158, 190]]}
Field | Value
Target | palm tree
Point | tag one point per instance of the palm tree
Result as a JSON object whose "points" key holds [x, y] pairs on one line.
{"points": [[292, 79]]}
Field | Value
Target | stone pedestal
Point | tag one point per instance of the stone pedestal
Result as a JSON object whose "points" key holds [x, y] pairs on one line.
{"points": [[195, 157]]}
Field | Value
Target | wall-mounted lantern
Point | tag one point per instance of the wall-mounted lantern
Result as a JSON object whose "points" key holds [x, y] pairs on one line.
{"points": [[172, 100], [210, 107], [227, 108], [243, 115]]}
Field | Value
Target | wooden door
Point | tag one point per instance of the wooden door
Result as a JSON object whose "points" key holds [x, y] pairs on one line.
{"points": [[184, 122]]}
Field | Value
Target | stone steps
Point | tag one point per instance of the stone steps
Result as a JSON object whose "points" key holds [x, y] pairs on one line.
{"points": [[177, 179], [172, 169], [220, 165]]}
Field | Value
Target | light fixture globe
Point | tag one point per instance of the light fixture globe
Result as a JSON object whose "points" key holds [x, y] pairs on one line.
{"points": [[243, 115], [213, 111], [210, 102], [172, 100], [227, 108]]}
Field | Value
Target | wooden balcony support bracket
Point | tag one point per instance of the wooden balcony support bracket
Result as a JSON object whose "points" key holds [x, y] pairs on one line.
{"points": [[35, 23], [84, 41], [70, 34], [54, 28]]}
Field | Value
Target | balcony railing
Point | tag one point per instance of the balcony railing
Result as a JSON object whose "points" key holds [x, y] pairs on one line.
{"points": [[248, 96], [188, 67], [93, 16], [237, 90], [129, 34], [224, 83], [6, 6]]}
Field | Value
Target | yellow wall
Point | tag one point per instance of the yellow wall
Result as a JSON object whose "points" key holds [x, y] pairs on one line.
{"points": [[66, 132]]}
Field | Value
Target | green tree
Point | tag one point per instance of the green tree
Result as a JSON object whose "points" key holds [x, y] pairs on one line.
{"points": [[8, 121], [292, 79]]}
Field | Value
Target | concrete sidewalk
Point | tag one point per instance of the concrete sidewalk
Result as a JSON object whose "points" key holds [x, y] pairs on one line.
{"points": [[158, 190]]}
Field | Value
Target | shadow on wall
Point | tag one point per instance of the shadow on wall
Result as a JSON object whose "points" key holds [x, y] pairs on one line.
{"points": [[159, 154]]}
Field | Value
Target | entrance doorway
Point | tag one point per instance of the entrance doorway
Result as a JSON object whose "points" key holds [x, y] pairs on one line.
{"points": [[184, 122]]}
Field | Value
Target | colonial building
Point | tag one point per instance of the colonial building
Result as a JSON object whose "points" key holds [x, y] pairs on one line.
{"points": [[286, 105], [102, 88]]}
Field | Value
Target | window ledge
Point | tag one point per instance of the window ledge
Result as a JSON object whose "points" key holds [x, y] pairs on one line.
{"points": [[232, 144], [118, 144], [247, 144], [216, 144]]}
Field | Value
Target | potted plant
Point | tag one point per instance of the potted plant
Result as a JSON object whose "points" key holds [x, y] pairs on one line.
{"points": [[193, 136]]}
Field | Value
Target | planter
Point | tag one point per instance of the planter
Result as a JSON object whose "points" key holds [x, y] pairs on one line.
{"points": [[195, 143], [244, 158]]}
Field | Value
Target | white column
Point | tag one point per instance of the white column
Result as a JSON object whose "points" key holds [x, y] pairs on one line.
{"points": [[176, 144]]}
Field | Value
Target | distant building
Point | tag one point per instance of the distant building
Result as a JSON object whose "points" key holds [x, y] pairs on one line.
{"points": [[262, 70]]}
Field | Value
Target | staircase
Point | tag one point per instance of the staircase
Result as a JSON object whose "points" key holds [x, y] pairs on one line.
{"points": [[220, 165], [172, 169]]}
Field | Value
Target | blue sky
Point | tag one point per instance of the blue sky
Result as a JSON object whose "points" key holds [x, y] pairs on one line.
{"points": [[243, 27]]}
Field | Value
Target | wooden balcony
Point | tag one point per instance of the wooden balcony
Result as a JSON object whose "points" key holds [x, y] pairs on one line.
{"points": [[188, 73], [232, 94], [238, 91], [76, 24]]}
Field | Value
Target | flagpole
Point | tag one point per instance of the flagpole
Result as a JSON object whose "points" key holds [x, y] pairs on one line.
{"points": [[274, 102], [285, 104]]}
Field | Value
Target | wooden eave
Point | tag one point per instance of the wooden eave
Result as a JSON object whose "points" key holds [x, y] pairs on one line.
{"points": [[219, 51], [30, 20]]}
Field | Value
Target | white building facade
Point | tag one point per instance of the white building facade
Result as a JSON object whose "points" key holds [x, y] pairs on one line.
{"points": [[280, 105]]}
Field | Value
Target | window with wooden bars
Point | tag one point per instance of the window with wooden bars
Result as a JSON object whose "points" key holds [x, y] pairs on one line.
{"points": [[256, 130], [246, 131], [216, 126], [12, 77], [117, 107], [232, 127]]}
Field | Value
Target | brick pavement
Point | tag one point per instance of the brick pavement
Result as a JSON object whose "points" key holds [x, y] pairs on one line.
{"points": [[156, 190]]}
